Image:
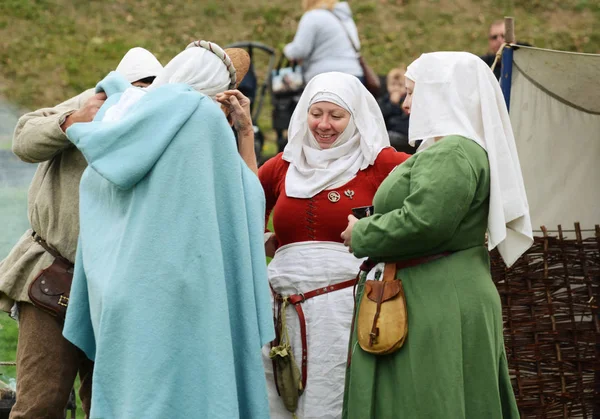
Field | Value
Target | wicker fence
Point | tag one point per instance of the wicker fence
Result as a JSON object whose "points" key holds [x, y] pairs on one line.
{"points": [[550, 303]]}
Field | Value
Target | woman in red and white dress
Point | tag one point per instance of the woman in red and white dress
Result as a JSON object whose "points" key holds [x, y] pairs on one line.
{"points": [[337, 155]]}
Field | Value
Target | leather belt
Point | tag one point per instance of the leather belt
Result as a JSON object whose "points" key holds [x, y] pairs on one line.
{"points": [[296, 300], [49, 249], [366, 267], [403, 264]]}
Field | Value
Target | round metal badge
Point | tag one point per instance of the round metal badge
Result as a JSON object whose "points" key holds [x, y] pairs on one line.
{"points": [[333, 196]]}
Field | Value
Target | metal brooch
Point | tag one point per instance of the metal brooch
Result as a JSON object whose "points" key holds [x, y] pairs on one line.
{"points": [[333, 196]]}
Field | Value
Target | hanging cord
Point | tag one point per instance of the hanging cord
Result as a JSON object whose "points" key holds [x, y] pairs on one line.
{"points": [[499, 54], [283, 349]]}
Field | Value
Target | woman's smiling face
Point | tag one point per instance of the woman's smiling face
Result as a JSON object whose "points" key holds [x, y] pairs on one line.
{"points": [[327, 121]]}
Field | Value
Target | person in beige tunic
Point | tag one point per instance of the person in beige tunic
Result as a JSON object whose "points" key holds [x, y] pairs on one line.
{"points": [[47, 364]]}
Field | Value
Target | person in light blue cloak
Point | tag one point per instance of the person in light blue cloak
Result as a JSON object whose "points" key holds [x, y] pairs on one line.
{"points": [[170, 295]]}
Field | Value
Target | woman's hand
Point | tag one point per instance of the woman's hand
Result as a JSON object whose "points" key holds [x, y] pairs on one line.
{"points": [[271, 245], [347, 234], [87, 113], [237, 109]]}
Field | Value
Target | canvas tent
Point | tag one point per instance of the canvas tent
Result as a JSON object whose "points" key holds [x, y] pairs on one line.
{"points": [[550, 296], [554, 103]]}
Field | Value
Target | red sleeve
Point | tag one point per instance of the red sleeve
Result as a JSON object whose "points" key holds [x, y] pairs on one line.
{"points": [[386, 161], [271, 175]]}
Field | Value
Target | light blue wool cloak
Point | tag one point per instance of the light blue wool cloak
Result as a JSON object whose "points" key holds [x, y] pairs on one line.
{"points": [[170, 295]]}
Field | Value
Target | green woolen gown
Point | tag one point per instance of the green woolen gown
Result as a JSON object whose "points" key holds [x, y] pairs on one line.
{"points": [[453, 363]]}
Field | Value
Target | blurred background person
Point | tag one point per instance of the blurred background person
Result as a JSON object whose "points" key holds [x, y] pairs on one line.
{"points": [[396, 119], [495, 39], [321, 43]]}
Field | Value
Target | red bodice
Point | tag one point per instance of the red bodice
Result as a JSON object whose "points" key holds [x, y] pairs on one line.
{"points": [[324, 216]]}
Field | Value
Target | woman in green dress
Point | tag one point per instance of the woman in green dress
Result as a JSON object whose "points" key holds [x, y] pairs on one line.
{"points": [[464, 180]]}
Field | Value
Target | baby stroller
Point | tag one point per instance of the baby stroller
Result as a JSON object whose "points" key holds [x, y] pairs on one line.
{"points": [[286, 84], [254, 90], [8, 399]]}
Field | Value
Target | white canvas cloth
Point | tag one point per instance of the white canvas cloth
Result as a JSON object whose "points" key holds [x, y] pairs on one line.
{"points": [[328, 321], [457, 94], [555, 113], [312, 169], [139, 63]]}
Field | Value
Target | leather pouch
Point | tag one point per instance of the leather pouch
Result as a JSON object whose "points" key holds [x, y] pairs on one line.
{"points": [[50, 290], [382, 321]]}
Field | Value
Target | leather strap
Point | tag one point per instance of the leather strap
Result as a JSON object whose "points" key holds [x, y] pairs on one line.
{"points": [[302, 319], [389, 272], [50, 250], [419, 261], [296, 300], [374, 329], [369, 264], [345, 31], [300, 298]]}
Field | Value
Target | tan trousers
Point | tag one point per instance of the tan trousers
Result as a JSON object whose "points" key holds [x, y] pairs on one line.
{"points": [[47, 365]]}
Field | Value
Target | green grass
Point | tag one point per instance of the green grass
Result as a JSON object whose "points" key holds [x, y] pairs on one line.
{"points": [[13, 217], [53, 49], [8, 346]]}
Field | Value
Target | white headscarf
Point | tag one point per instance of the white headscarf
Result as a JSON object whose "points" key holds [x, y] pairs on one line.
{"points": [[312, 169], [197, 67], [457, 94], [138, 64]]}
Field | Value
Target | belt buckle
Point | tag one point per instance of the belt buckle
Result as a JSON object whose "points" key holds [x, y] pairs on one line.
{"points": [[63, 301], [300, 294]]}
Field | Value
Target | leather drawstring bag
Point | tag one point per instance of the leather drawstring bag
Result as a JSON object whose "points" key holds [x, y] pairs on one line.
{"points": [[382, 321]]}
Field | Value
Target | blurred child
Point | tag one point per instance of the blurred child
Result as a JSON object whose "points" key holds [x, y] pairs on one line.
{"points": [[396, 120]]}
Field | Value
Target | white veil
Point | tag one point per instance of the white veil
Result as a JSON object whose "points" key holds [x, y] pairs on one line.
{"points": [[457, 94], [313, 170]]}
